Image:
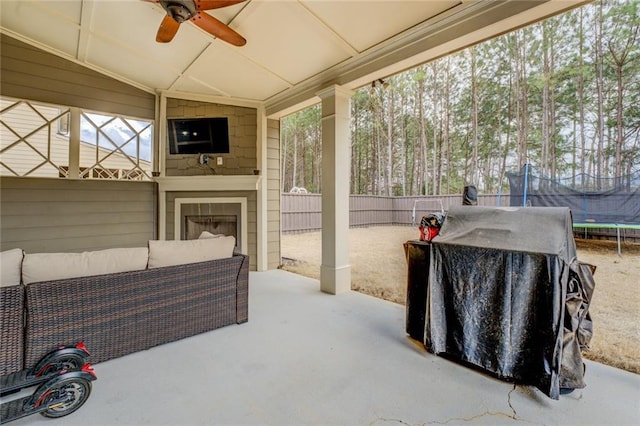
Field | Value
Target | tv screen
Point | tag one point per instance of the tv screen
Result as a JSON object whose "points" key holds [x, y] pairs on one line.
{"points": [[198, 135]]}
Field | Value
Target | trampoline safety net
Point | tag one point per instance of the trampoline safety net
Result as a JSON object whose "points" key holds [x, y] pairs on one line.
{"points": [[590, 199]]}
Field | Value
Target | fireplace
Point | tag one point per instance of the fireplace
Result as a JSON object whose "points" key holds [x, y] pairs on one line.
{"points": [[216, 215]]}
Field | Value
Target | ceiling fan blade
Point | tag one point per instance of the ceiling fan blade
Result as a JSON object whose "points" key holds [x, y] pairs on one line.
{"points": [[167, 30], [218, 29], [215, 4]]}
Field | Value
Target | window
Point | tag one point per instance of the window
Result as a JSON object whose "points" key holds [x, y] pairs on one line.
{"points": [[114, 147]]}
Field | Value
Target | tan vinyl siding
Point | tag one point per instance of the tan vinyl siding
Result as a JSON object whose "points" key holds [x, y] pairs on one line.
{"points": [[273, 194], [27, 72], [59, 215]]}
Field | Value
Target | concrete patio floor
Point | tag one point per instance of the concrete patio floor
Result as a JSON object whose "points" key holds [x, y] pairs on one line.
{"points": [[306, 357]]}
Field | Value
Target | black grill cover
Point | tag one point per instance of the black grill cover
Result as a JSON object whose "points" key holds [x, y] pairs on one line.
{"points": [[507, 294], [417, 253]]}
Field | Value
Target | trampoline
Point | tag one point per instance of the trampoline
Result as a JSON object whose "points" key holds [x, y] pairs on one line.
{"points": [[595, 203]]}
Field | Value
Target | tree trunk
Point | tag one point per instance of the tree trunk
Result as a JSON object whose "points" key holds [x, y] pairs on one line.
{"points": [[581, 99], [598, 63], [553, 141], [390, 131], [507, 143], [447, 120], [544, 161], [474, 119], [294, 168], [434, 165], [423, 137]]}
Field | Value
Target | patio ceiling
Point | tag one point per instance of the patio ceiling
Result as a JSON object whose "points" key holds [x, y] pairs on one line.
{"points": [[294, 48]]}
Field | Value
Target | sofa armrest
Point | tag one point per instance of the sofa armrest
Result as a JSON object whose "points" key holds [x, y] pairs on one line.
{"points": [[242, 295], [12, 329]]}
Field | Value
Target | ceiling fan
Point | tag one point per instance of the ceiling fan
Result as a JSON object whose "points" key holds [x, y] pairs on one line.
{"points": [[179, 11]]}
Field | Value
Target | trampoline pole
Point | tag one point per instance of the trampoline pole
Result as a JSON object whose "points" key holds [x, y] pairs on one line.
{"points": [[618, 235]]}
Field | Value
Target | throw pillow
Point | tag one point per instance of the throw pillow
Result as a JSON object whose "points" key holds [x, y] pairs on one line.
{"points": [[179, 252], [10, 267], [53, 266]]}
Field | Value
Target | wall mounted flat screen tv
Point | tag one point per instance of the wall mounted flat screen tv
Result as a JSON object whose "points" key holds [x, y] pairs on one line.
{"points": [[198, 135]]}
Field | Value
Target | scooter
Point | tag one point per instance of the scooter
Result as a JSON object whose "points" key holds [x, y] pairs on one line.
{"points": [[63, 378]]}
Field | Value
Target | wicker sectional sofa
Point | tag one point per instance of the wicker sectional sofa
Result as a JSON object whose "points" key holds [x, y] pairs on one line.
{"points": [[11, 328], [124, 312]]}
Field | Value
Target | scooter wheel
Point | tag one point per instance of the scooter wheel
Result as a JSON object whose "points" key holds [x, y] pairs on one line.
{"points": [[66, 396]]}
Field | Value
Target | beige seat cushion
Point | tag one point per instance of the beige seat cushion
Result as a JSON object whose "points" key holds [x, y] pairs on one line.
{"points": [[38, 267], [10, 267], [179, 252]]}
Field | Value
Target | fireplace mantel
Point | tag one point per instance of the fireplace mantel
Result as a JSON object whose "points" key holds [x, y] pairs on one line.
{"points": [[209, 183]]}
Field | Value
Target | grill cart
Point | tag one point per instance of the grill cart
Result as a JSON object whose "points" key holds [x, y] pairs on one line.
{"points": [[502, 290]]}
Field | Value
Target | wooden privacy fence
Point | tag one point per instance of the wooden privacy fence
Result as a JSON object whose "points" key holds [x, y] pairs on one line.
{"points": [[303, 212]]}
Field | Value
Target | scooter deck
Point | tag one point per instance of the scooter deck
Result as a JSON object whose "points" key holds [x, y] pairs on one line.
{"points": [[19, 380], [15, 409]]}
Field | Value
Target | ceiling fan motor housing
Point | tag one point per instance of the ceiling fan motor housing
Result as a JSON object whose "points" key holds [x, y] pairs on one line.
{"points": [[180, 11]]}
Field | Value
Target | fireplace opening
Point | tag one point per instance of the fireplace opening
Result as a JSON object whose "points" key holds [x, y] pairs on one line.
{"points": [[216, 224], [217, 215]]}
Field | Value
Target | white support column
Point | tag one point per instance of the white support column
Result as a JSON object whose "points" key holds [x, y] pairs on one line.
{"points": [[262, 202], [335, 271], [161, 130], [162, 215]]}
